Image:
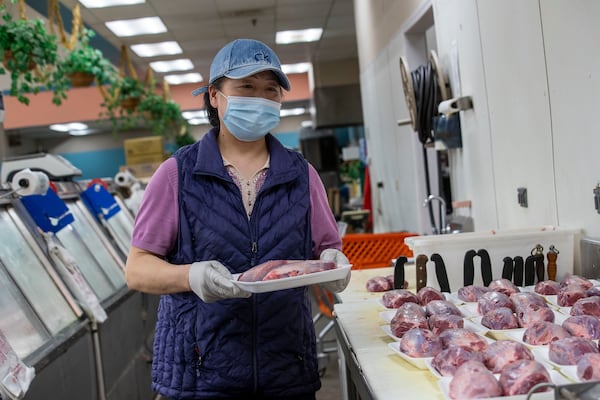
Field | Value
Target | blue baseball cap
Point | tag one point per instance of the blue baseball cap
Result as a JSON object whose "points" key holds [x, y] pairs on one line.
{"points": [[242, 58]]}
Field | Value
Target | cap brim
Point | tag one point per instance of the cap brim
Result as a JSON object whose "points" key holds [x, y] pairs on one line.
{"points": [[200, 90], [246, 71]]}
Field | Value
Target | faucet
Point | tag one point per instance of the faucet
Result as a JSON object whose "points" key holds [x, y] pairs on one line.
{"points": [[444, 228]]}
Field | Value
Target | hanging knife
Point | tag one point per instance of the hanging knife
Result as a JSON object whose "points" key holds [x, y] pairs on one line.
{"points": [[399, 272], [518, 271], [507, 270], [529, 270], [486, 266], [440, 272], [552, 256], [421, 265], [468, 268]]}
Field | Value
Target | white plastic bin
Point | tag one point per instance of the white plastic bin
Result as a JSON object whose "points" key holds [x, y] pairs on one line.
{"points": [[499, 244]]}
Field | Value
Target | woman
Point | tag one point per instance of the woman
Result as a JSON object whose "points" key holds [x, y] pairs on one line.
{"points": [[232, 200]]}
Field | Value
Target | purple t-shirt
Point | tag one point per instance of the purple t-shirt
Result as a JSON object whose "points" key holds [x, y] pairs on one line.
{"points": [[157, 220]]}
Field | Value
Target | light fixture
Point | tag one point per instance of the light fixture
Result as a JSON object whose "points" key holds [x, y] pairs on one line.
{"points": [[194, 114], [157, 49], [109, 3], [298, 36], [71, 126], [288, 112], [198, 121], [298, 68], [136, 26], [192, 77], [182, 64]]}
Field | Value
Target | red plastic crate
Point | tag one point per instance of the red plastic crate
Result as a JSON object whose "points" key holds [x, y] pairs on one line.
{"points": [[375, 250]]}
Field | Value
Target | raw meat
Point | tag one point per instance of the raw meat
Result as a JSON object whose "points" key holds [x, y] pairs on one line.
{"points": [[390, 279], [500, 318], [500, 353], [397, 297], [448, 360], [379, 284], [491, 300], [525, 298], [576, 280], [441, 307], [471, 293], [463, 338], [543, 332], [568, 295], [409, 315], [587, 306], [520, 376], [530, 313], [584, 326], [472, 380], [503, 286], [593, 291], [588, 367], [419, 342], [276, 269], [427, 294], [440, 322], [569, 350], [546, 287]]}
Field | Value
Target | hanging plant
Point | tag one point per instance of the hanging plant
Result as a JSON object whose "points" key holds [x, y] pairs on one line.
{"points": [[121, 100], [163, 116], [28, 53]]}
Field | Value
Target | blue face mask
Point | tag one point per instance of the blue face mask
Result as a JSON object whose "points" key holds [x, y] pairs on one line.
{"points": [[250, 118]]}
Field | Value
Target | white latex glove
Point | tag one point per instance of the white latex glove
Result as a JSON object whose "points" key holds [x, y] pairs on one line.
{"points": [[211, 281], [339, 258]]}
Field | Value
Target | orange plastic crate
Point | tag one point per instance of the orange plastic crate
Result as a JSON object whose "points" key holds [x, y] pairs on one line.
{"points": [[375, 250]]}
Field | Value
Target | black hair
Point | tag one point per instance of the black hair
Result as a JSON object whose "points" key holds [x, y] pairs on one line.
{"points": [[211, 112]]}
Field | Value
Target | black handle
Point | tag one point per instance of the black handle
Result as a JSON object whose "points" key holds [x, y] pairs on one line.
{"points": [[399, 272], [518, 271], [507, 270], [468, 268], [486, 266], [539, 267], [440, 272]]}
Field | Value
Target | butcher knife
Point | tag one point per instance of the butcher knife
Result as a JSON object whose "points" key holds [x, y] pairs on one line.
{"points": [[507, 270], [399, 272], [552, 256], [421, 270], [440, 272], [486, 266], [530, 270], [518, 271], [468, 268]]}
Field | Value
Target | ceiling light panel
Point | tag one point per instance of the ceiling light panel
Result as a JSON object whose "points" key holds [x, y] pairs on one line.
{"points": [[109, 3], [136, 26], [183, 64], [298, 36], [157, 49], [183, 78], [298, 68]]}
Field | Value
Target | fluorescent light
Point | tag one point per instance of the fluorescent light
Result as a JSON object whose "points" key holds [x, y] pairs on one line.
{"points": [[288, 112], [137, 26], [298, 68], [183, 64], [72, 126], [192, 77], [80, 132], [109, 3], [298, 36], [198, 121], [157, 49], [194, 114]]}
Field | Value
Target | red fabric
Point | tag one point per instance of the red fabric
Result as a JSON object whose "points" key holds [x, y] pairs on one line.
{"points": [[367, 204]]}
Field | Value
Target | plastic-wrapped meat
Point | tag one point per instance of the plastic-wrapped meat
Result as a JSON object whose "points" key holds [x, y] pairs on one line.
{"points": [[525, 298], [569, 350], [471, 293], [395, 298], [390, 279], [472, 380], [546, 287], [520, 376], [442, 307], [427, 294], [530, 313], [277, 269], [419, 342], [543, 332], [576, 280], [440, 322], [500, 353], [587, 306], [588, 367], [462, 337], [504, 286], [568, 295], [583, 326], [500, 318], [447, 361], [491, 300], [379, 284], [408, 316], [593, 291]]}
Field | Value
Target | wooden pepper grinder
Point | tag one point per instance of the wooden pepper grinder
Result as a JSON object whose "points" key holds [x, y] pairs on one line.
{"points": [[552, 256]]}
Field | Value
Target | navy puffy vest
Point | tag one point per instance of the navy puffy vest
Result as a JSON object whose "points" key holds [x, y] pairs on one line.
{"points": [[263, 346]]}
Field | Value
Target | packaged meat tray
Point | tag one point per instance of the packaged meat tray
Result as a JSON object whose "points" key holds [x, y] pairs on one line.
{"points": [[289, 282], [420, 362]]}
